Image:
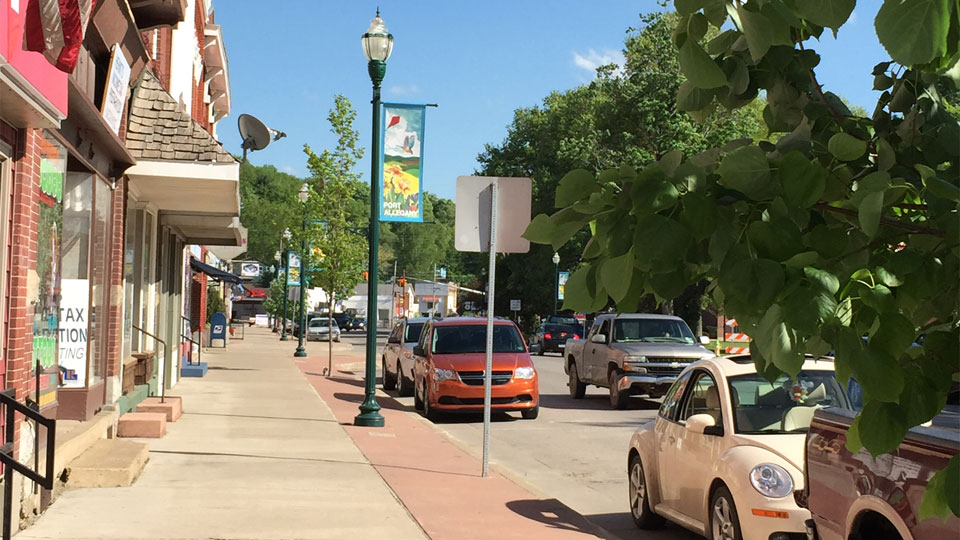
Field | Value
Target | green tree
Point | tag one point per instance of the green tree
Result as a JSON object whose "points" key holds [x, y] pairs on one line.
{"points": [[339, 248], [265, 195], [841, 235], [626, 115]]}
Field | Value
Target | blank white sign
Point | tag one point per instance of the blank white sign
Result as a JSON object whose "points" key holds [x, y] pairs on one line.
{"points": [[473, 213]]}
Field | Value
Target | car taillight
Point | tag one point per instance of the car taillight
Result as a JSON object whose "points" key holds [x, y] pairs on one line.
{"points": [[575, 336], [547, 336]]}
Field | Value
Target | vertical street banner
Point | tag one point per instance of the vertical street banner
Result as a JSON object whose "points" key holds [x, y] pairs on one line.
{"points": [[562, 283], [401, 146], [293, 269]]}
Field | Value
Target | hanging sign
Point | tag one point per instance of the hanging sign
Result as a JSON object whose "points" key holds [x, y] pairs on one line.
{"points": [[293, 275], [401, 147], [562, 283], [115, 94], [74, 319]]}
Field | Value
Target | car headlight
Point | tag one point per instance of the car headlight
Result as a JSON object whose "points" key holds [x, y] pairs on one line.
{"points": [[444, 374], [635, 364], [526, 372], [771, 480]]}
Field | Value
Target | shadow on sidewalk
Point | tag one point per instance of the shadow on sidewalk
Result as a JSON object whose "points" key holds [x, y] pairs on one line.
{"points": [[261, 417], [555, 514], [385, 402]]}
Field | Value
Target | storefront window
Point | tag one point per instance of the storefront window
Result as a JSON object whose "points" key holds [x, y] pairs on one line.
{"points": [[75, 284], [99, 317], [129, 280], [46, 305]]}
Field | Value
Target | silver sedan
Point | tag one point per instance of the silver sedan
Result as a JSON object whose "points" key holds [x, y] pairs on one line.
{"points": [[318, 330]]}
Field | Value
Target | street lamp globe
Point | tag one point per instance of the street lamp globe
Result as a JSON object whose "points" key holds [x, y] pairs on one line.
{"points": [[377, 42], [556, 258], [304, 193], [287, 234], [276, 256]]}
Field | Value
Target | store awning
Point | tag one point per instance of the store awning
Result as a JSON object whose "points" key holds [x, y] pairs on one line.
{"points": [[213, 272]]}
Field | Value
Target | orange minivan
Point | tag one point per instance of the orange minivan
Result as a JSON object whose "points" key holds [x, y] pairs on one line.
{"points": [[449, 368]]}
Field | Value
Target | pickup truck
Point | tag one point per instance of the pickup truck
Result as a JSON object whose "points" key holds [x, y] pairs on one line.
{"points": [[857, 496], [631, 353]]}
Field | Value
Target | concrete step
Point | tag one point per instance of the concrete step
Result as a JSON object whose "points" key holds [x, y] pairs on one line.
{"points": [[150, 425], [171, 406], [108, 463]]}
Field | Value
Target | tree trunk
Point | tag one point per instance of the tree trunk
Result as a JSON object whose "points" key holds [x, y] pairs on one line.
{"points": [[330, 304]]}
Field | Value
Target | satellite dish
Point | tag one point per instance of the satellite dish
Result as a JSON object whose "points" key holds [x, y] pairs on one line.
{"points": [[255, 134]]}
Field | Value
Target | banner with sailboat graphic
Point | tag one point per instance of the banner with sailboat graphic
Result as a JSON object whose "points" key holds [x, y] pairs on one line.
{"points": [[401, 146]]}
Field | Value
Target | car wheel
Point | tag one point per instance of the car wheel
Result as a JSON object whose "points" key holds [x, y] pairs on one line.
{"points": [[531, 413], [643, 516], [618, 399], [724, 523], [577, 388], [403, 384], [429, 412], [417, 400], [389, 381]]}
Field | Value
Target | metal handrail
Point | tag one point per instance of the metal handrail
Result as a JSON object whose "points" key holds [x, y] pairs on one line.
{"points": [[163, 376], [191, 340], [8, 398]]}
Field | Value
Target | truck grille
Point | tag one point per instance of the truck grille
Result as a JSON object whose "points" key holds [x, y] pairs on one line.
{"points": [[475, 378], [668, 366]]}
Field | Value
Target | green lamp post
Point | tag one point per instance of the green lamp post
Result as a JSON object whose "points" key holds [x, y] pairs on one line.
{"points": [[303, 196], [286, 283], [556, 283], [377, 45]]}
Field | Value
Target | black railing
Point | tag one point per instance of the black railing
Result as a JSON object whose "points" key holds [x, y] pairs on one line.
{"points": [[189, 337], [163, 376], [8, 399]]}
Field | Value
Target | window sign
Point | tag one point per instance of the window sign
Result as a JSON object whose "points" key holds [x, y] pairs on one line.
{"points": [[74, 308], [46, 303]]}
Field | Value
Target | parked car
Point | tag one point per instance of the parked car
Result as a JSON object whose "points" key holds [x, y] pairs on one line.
{"points": [[858, 496], [725, 453], [358, 323], [343, 320], [450, 362], [318, 329], [631, 353], [397, 358], [552, 337]]}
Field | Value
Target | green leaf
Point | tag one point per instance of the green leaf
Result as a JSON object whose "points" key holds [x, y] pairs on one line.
{"points": [[826, 13], [802, 259], [846, 147], [750, 285], [578, 294], [617, 274], [686, 7], [881, 82], [778, 342], [746, 170], [722, 42], [698, 67], [699, 214], [540, 230], [659, 239], [879, 373], [894, 335], [888, 278], [668, 285], [566, 223], [882, 427], [913, 32], [822, 278], [801, 181], [690, 98], [942, 496], [762, 31], [920, 400], [869, 213], [575, 185], [936, 186], [879, 298], [853, 443], [653, 196]]}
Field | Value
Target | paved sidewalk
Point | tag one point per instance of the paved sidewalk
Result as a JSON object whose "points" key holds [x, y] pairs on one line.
{"points": [[256, 455], [438, 482]]}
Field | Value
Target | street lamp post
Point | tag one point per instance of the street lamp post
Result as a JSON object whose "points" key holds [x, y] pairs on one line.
{"points": [[556, 283], [286, 283], [303, 196], [377, 45]]}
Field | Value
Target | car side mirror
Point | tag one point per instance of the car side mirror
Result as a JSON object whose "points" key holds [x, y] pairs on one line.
{"points": [[418, 350], [704, 340], [599, 338], [705, 424]]}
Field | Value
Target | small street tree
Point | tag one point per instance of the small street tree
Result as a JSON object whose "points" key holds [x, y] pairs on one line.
{"points": [[338, 246], [841, 235]]}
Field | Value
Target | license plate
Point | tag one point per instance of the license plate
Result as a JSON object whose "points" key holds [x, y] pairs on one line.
{"points": [[562, 345]]}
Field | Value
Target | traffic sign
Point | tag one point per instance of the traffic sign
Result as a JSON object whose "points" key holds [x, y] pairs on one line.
{"points": [[515, 305]]}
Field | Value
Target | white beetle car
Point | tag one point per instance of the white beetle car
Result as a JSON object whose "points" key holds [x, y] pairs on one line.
{"points": [[725, 453]]}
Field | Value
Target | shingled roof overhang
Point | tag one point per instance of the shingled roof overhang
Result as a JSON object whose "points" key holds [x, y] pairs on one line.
{"points": [[181, 168]]}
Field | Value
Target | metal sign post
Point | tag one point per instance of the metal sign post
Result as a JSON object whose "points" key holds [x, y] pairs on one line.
{"points": [[515, 308], [487, 373]]}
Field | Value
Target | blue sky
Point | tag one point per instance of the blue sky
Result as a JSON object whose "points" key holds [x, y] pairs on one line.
{"points": [[478, 61]]}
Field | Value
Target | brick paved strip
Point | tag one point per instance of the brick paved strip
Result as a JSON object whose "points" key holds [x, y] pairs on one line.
{"points": [[439, 484]]}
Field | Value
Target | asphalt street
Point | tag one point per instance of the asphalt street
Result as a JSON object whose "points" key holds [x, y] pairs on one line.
{"points": [[575, 452]]}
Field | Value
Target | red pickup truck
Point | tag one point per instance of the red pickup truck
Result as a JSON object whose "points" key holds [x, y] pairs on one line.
{"points": [[857, 497]]}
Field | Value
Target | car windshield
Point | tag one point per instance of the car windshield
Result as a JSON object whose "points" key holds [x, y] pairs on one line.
{"points": [[556, 319], [318, 323], [785, 406], [652, 330], [472, 338], [559, 329], [411, 333]]}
